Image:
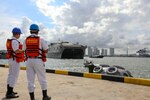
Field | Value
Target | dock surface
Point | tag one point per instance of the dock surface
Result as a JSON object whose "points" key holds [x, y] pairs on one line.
{"points": [[63, 87]]}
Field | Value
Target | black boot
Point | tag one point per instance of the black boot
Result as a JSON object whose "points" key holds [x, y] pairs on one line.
{"points": [[32, 96], [12, 89], [45, 96], [9, 93]]}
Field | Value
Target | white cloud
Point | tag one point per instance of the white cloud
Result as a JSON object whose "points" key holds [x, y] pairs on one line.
{"points": [[102, 23], [7, 22], [110, 23], [26, 22]]}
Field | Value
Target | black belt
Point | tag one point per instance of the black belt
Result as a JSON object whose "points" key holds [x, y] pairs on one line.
{"points": [[35, 57]]}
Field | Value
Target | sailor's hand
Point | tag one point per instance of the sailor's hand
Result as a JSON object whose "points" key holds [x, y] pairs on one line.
{"points": [[19, 51]]}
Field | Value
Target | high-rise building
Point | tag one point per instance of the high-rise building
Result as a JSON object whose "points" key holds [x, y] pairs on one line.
{"points": [[96, 51], [89, 51], [104, 52], [112, 51]]}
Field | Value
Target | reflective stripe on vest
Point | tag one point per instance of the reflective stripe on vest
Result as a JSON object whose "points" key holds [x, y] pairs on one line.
{"points": [[32, 47]]}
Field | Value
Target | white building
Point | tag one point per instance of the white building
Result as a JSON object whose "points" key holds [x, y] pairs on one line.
{"points": [[96, 51], [112, 51], [89, 50], [104, 52]]}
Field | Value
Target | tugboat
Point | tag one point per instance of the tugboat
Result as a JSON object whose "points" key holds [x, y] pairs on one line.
{"points": [[66, 50], [107, 69]]}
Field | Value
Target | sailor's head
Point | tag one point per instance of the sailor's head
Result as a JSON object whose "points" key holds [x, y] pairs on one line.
{"points": [[16, 32], [34, 28]]}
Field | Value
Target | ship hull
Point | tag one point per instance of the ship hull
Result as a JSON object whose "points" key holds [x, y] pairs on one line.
{"points": [[65, 51]]}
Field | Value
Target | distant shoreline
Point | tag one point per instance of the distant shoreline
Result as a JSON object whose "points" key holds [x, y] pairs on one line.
{"points": [[122, 56], [129, 56]]}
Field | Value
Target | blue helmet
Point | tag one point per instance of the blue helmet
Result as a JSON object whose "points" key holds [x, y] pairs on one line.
{"points": [[16, 30], [34, 27]]}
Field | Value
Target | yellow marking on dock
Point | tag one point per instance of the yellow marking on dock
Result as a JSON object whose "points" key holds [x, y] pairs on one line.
{"points": [[131, 80], [92, 75], [23, 68], [140, 81], [6, 66], [64, 72]]}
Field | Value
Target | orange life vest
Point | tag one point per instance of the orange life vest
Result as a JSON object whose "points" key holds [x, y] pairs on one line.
{"points": [[33, 48], [19, 57]]}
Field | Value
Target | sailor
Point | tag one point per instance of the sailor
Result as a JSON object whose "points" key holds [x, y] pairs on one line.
{"points": [[36, 49], [15, 55]]}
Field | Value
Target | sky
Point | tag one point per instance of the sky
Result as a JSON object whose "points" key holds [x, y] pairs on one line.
{"points": [[119, 24]]}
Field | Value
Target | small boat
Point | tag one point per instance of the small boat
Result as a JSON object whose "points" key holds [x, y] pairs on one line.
{"points": [[97, 56], [107, 69]]}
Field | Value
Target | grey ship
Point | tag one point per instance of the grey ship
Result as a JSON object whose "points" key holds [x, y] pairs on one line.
{"points": [[3, 54], [66, 50]]}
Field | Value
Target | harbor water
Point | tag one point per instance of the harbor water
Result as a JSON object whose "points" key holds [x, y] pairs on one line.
{"points": [[139, 67]]}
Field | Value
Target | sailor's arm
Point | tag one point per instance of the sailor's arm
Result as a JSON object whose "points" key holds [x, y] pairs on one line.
{"points": [[15, 46], [44, 45]]}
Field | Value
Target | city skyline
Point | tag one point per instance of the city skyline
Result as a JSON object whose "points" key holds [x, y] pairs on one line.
{"points": [[112, 51]]}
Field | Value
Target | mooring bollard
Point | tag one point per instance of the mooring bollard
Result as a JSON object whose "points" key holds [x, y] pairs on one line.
{"points": [[91, 67]]}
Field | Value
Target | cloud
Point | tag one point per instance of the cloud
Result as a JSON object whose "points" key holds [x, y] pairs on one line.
{"points": [[7, 22], [26, 22], [103, 23]]}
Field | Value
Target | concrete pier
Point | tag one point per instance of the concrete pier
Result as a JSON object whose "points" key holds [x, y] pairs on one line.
{"points": [[63, 87]]}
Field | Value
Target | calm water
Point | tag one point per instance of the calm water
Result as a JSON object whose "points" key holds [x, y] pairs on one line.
{"points": [[139, 67]]}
